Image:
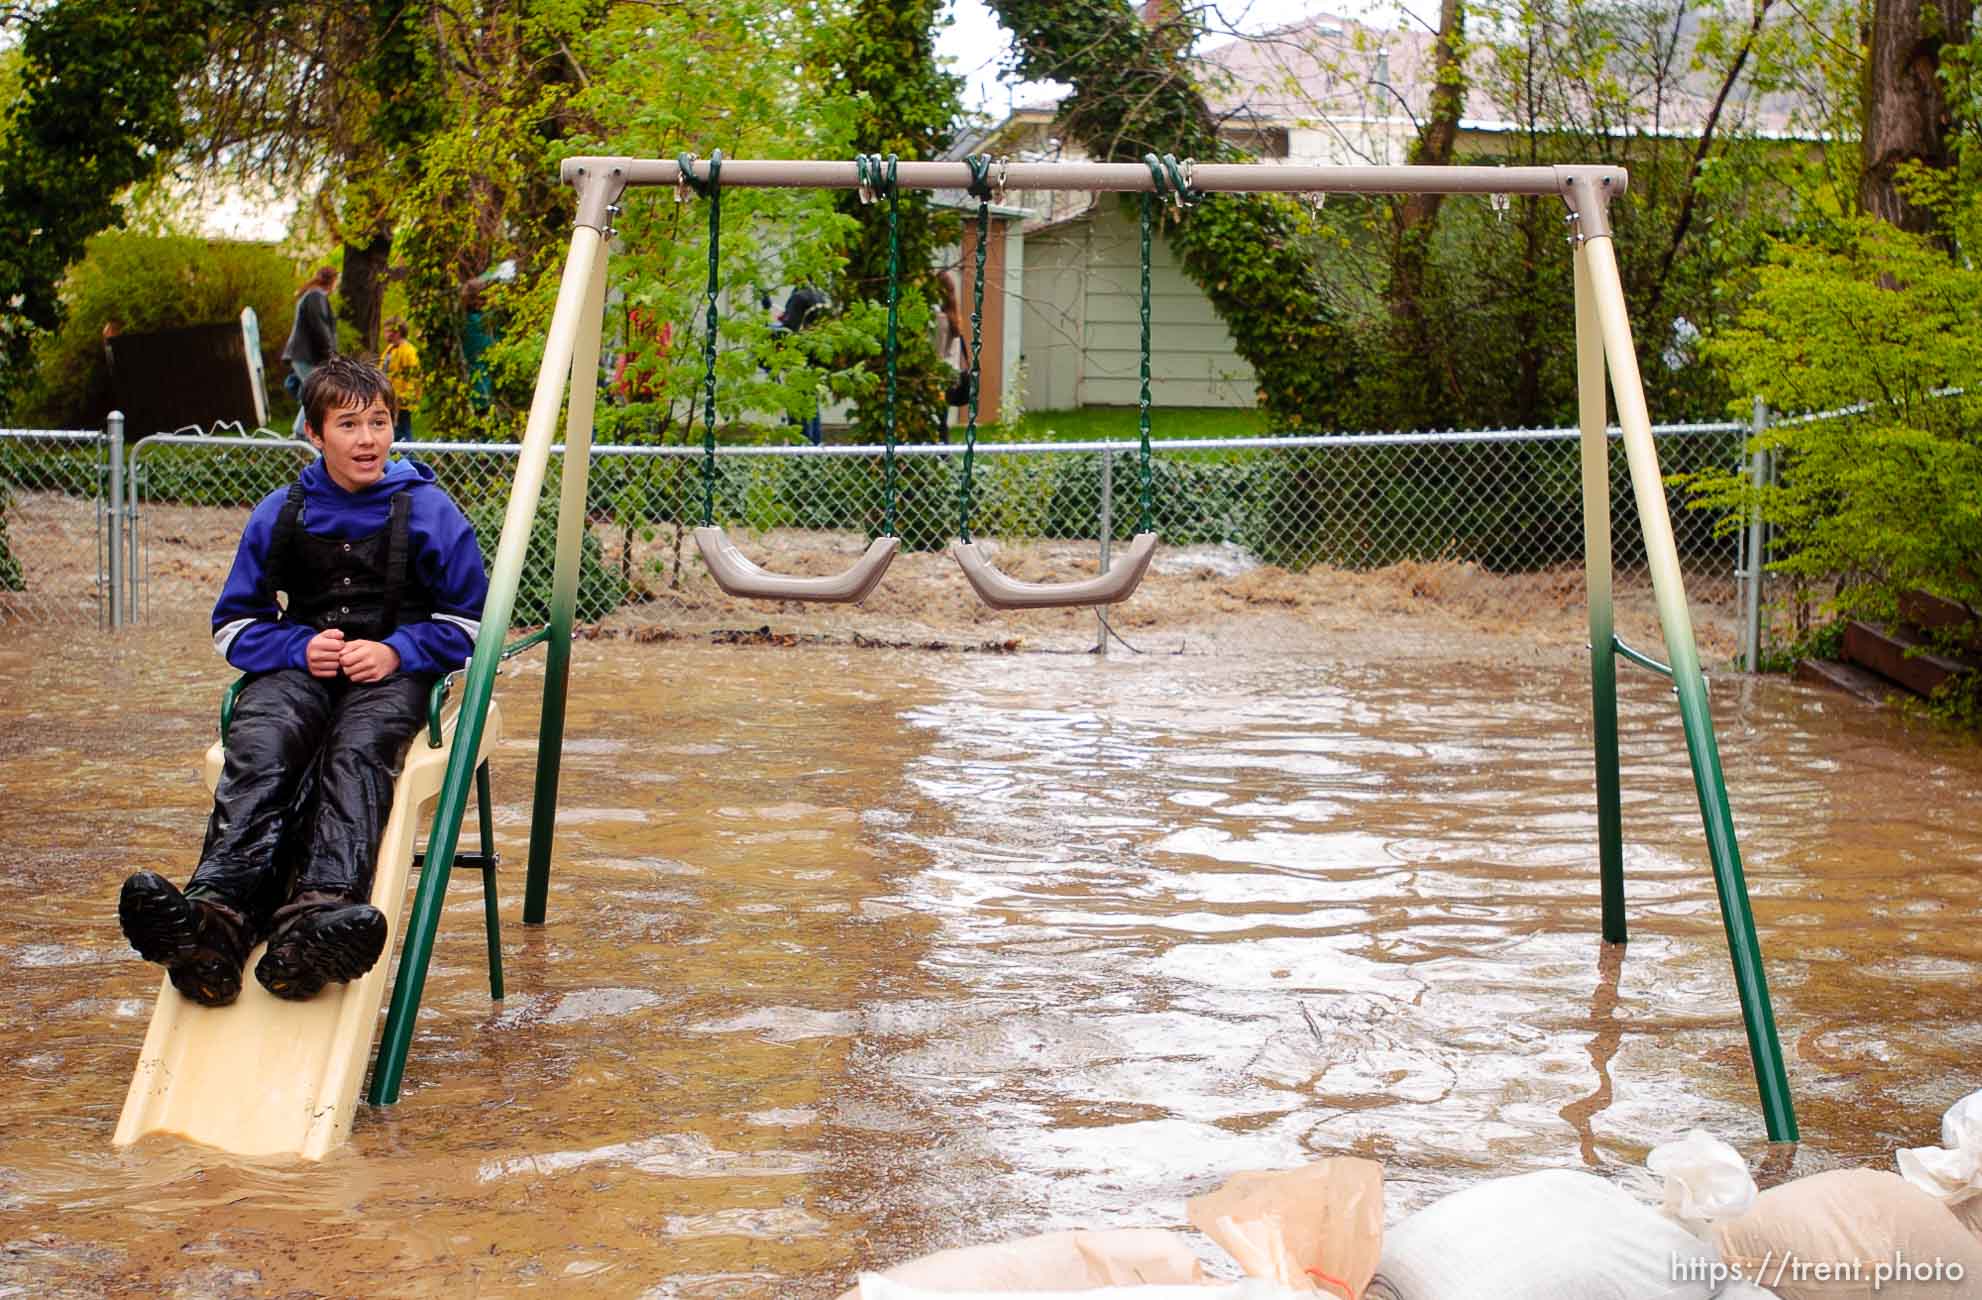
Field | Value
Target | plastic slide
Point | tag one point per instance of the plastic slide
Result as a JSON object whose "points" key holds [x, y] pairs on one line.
{"points": [[265, 1077]]}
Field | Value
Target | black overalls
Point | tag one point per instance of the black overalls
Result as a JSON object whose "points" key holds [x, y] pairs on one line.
{"points": [[307, 784]]}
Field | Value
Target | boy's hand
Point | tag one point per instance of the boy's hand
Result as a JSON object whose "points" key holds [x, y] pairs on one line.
{"points": [[368, 661], [323, 653]]}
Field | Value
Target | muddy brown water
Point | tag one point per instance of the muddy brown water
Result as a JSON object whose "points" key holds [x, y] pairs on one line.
{"points": [[854, 954]]}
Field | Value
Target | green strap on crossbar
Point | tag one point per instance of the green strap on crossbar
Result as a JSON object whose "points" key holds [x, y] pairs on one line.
{"points": [[712, 190], [980, 189], [875, 180]]}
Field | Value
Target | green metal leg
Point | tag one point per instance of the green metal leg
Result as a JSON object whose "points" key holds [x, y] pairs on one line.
{"points": [[491, 915], [550, 746], [1599, 260], [1592, 408], [571, 510], [1610, 814], [1736, 916]]}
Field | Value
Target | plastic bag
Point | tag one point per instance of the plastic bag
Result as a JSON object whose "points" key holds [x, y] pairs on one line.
{"points": [[1706, 1180], [1053, 1261], [1319, 1227], [1952, 1172]]}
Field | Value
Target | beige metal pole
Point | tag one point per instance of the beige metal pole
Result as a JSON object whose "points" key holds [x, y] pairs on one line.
{"points": [[578, 439], [564, 584], [444, 831], [1627, 388], [1591, 409], [546, 405]]}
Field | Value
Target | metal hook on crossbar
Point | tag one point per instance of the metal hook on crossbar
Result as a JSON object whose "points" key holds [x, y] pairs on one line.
{"points": [[683, 177], [1316, 200], [1499, 203]]}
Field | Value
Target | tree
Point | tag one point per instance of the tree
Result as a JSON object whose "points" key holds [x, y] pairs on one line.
{"points": [[1888, 499], [330, 99], [883, 59], [1907, 122], [99, 113]]}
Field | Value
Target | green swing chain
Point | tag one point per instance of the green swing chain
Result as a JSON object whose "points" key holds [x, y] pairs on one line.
{"points": [[1167, 182], [710, 189], [871, 179], [980, 189]]}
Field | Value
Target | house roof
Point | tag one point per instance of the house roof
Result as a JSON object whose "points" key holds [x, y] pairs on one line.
{"points": [[1330, 66], [1333, 68]]}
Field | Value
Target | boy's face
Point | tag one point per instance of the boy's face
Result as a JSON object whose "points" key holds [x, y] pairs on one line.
{"points": [[354, 443]]}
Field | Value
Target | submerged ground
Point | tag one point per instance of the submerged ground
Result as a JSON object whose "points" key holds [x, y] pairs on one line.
{"points": [[857, 953]]}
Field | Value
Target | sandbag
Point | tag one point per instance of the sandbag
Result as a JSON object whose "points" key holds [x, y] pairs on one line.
{"points": [[875, 1287], [1319, 1227], [1952, 1172], [1053, 1261], [1853, 1233], [1706, 1181], [1552, 1235]]}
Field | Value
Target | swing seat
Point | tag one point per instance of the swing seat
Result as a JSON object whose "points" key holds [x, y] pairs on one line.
{"points": [[735, 574], [1000, 592]]}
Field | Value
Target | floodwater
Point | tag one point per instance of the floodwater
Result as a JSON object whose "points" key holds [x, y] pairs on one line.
{"points": [[854, 954]]}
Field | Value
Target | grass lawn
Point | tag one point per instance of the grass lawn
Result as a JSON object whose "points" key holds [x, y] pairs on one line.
{"points": [[1118, 424]]}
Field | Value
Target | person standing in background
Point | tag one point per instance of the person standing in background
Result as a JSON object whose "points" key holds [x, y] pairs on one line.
{"points": [[478, 335], [805, 306], [312, 334], [402, 366], [952, 338]]}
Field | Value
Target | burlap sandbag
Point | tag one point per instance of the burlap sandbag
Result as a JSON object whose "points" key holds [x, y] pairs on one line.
{"points": [[1055, 1261], [1970, 1214], [1851, 1234]]}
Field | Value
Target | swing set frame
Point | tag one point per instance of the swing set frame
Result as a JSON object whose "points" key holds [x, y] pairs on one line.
{"points": [[1606, 365]]}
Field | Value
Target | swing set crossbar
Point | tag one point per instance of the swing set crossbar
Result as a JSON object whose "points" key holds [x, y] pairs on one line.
{"points": [[1129, 177]]}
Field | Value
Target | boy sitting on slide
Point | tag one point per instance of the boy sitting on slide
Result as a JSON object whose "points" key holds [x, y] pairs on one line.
{"points": [[384, 586]]}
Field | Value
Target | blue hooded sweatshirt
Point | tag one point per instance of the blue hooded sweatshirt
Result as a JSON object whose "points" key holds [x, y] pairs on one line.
{"points": [[248, 628]]}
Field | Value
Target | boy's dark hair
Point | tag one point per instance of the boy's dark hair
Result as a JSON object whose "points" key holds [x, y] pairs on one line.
{"points": [[344, 381]]}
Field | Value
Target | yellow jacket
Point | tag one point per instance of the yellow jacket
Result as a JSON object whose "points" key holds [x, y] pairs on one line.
{"points": [[402, 367]]}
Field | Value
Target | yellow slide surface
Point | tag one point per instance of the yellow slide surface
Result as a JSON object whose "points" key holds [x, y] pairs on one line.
{"points": [[265, 1077]]}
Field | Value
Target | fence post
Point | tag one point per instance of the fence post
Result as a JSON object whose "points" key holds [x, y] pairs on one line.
{"points": [[115, 428], [134, 610], [1751, 591], [1107, 536]]}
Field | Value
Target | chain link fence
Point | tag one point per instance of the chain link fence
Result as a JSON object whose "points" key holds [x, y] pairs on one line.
{"points": [[1502, 501], [57, 527]]}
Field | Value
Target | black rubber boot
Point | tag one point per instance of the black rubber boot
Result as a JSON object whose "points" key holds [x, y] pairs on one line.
{"points": [[201, 944], [320, 940]]}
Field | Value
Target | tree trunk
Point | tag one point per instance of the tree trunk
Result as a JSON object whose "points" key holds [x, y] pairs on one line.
{"points": [[1416, 213], [1905, 107], [362, 285], [1414, 216], [888, 63]]}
